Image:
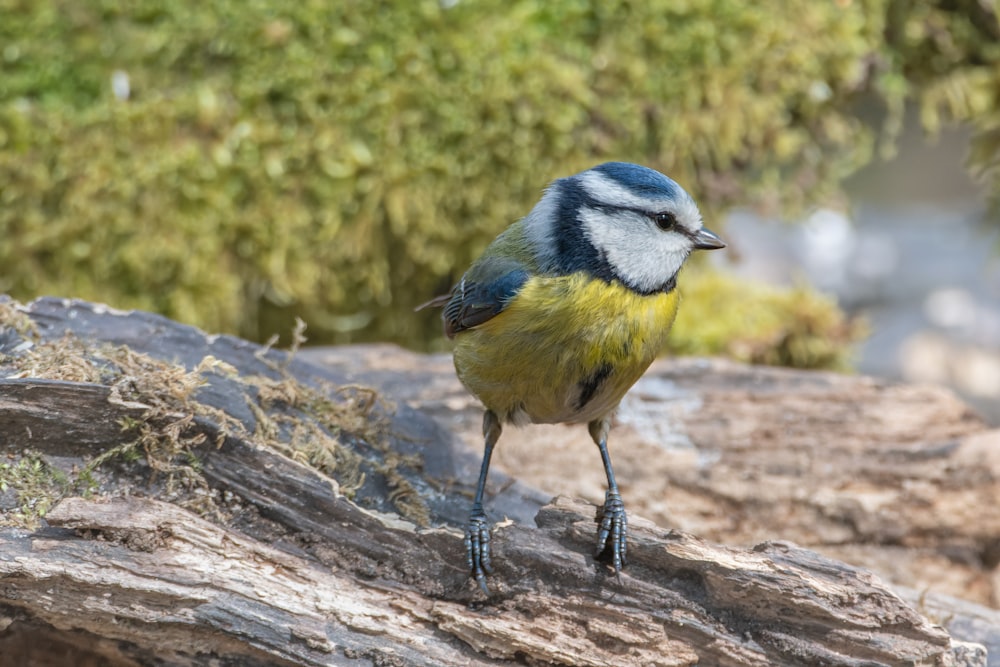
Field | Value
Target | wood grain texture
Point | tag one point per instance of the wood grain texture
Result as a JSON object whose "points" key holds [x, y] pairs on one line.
{"points": [[292, 571], [892, 477]]}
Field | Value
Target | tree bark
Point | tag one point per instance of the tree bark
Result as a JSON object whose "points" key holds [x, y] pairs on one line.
{"points": [[284, 565], [897, 478]]}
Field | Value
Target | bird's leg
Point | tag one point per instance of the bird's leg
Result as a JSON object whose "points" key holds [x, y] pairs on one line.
{"points": [[613, 527], [477, 531]]}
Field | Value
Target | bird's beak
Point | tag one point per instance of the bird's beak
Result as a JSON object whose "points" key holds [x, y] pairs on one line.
{"points": [[707, 240]]}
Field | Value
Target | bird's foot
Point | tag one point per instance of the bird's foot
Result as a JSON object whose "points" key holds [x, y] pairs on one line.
{"points": [[477, 548], [612, 531]]}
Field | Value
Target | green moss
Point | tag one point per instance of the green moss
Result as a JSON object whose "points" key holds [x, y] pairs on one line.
{"points": [[13, 317], [36, 485], [321, 427], [342, 164], [336, 416], [722, 315]]}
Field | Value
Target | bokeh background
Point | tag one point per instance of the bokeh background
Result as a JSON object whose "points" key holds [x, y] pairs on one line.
{"points": [[237, 164]]}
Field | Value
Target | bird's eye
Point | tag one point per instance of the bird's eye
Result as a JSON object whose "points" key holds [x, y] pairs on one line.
{"points": [[665, 221]]}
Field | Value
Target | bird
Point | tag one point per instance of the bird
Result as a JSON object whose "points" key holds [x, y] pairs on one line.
{"points": [[564, 311]]}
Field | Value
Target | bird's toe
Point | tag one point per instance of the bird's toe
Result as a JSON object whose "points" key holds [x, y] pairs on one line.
{"points": [[477, 550], [613, 531]]}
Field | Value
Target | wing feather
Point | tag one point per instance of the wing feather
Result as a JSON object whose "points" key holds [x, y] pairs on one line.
{"points": [[490, 284], [473, 303]]}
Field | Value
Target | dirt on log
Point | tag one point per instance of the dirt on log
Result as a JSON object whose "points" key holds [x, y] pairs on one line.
{"points": [[173, 498]]}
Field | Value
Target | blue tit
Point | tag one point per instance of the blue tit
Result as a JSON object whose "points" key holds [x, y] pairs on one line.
{"points": [[565, 310]]}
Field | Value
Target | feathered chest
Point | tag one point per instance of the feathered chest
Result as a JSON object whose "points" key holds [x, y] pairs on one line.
{"points": [[564, 349]]}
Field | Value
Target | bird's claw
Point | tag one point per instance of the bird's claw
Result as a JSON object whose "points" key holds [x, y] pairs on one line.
{"points": [[477, 549], [612, 531]]}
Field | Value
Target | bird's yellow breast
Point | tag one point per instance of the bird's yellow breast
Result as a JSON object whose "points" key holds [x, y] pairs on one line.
{"points": [[565, 349]]}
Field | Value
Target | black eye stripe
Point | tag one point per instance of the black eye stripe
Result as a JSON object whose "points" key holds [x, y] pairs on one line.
{"points": [[673, 226]]}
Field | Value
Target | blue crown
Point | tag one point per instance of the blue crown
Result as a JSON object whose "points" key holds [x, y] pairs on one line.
{"points": [[641, 180]]}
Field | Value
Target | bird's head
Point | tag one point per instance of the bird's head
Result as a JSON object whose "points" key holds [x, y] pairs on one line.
{"points": [[618, 221]]}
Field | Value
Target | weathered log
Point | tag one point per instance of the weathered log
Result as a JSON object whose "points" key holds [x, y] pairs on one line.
{"points": [[286, 568], [193, 588], [898, 478]]}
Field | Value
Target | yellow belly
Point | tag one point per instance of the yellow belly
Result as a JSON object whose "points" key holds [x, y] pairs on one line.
{"points": [[566, 349]]}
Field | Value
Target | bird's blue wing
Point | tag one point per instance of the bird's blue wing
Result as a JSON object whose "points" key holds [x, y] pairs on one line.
{"points": [[482, 294]]}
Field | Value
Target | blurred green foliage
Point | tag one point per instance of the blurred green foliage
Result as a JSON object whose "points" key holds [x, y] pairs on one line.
{"points": [[761, 324], [343, 161]]}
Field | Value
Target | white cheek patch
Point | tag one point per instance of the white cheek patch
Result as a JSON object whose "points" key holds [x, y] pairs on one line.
{"points": [[643, 257]]}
